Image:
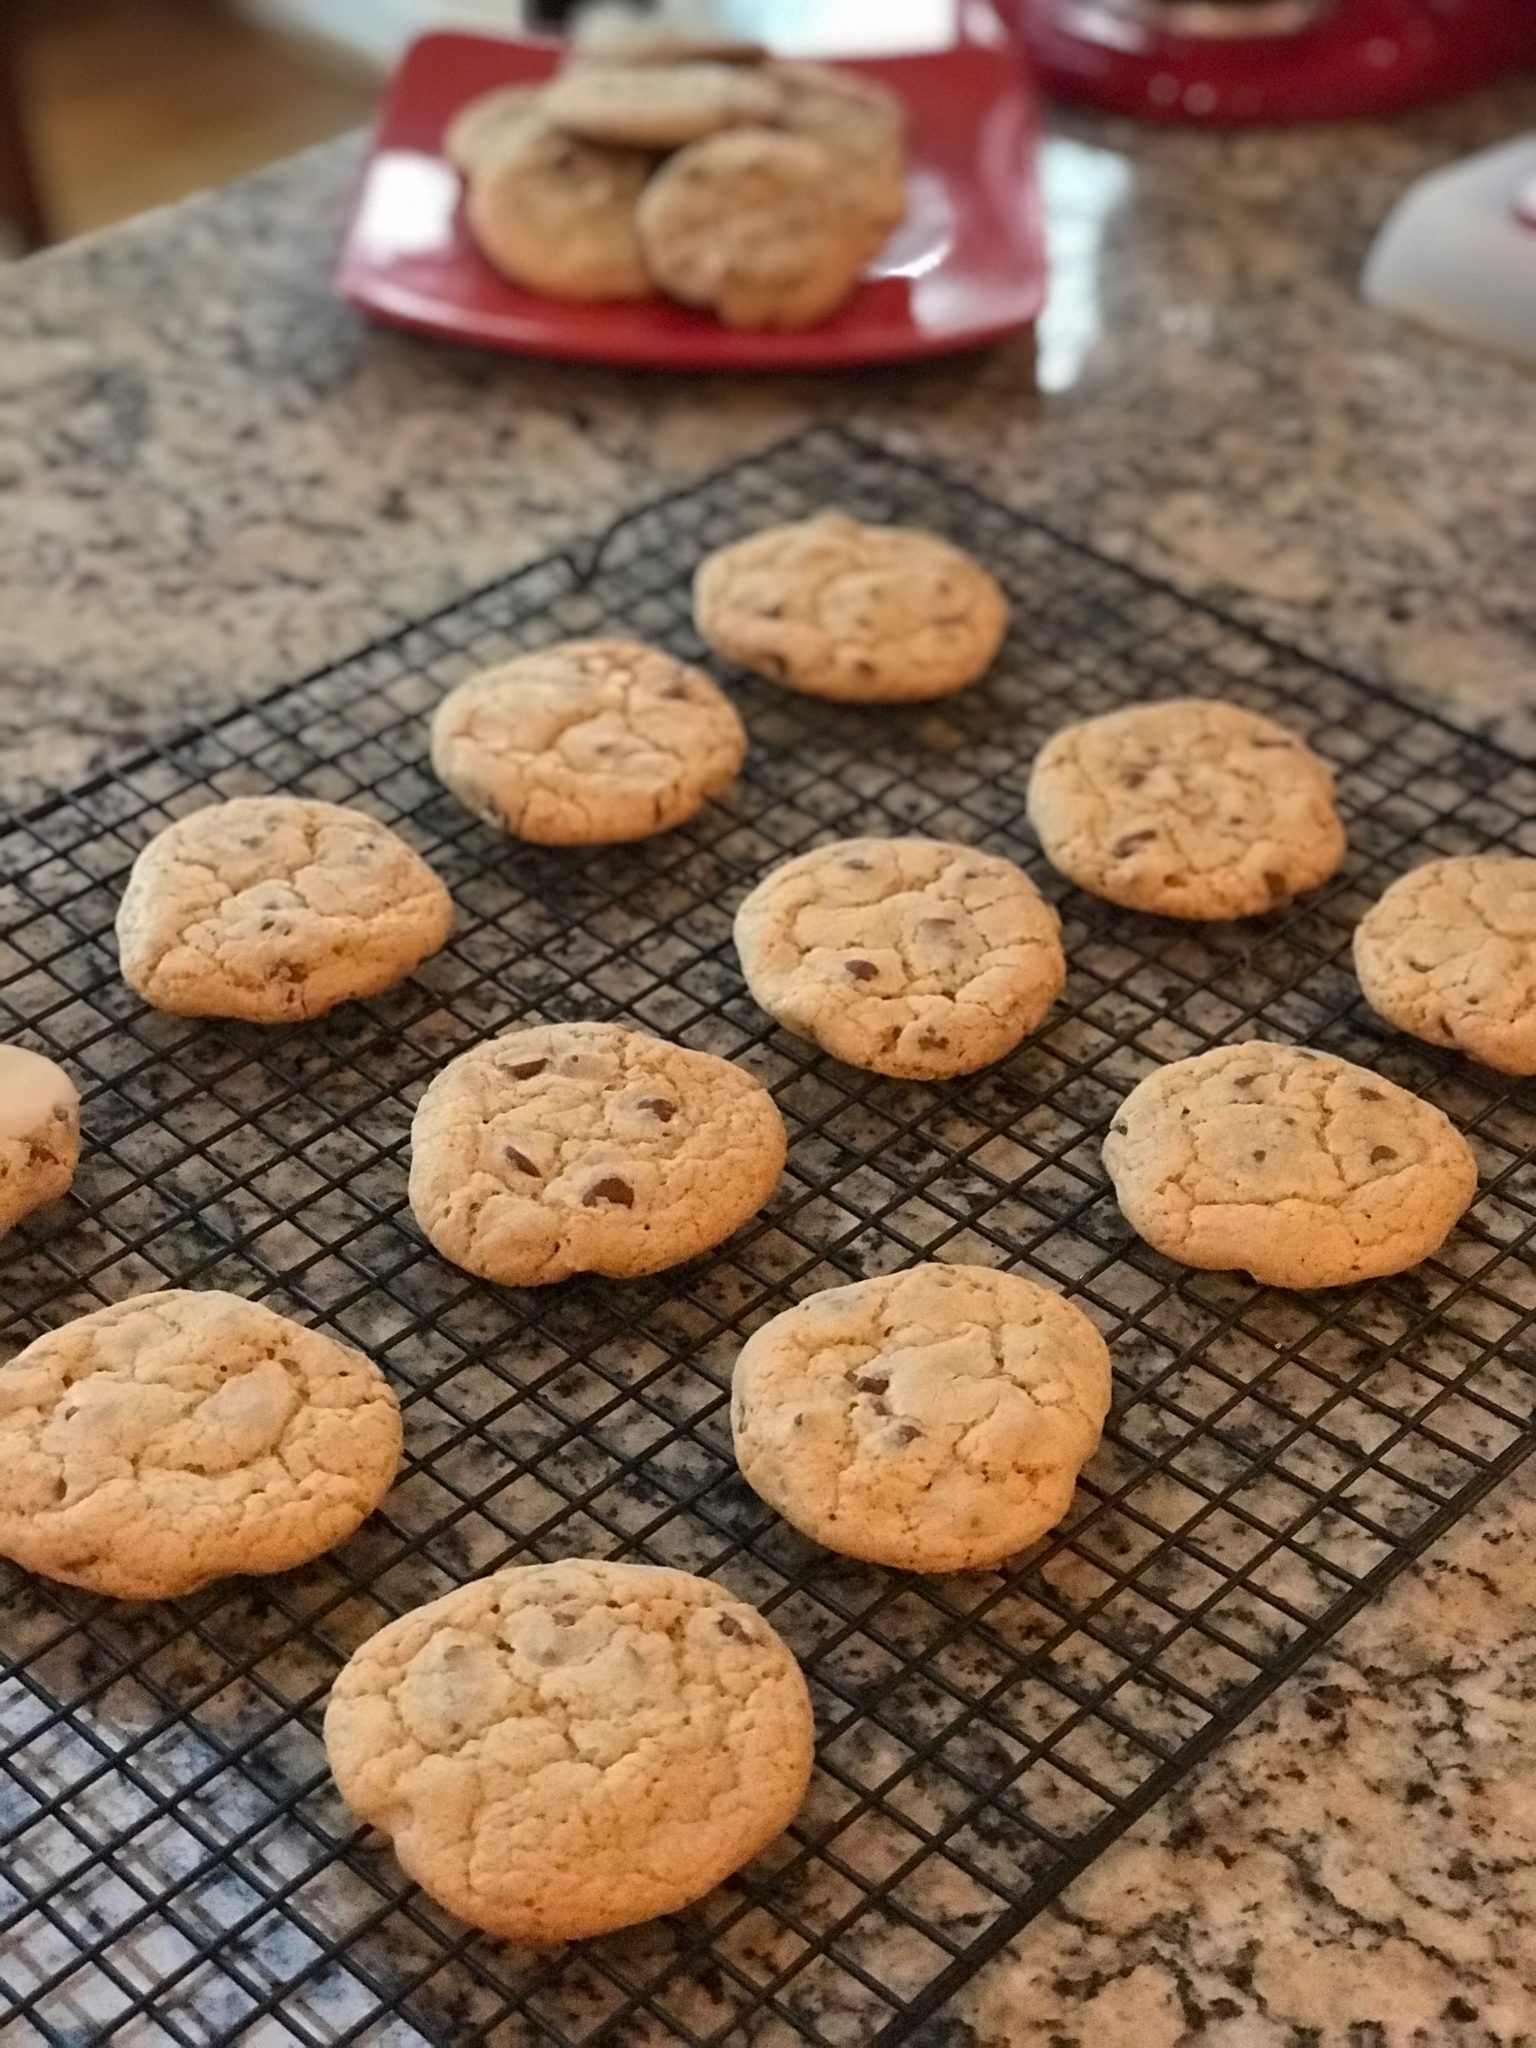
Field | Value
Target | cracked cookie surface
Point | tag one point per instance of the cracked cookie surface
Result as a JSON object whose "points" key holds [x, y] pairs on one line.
{"points": [[1299, 1168], [39, 1133], [753, 225], [589, 1148], [659, 105], [559, 1750], [557, 213], [1449, 954], [186, 1436], [862, 614], [275, 909], [935, 1420], [910, 957], [1189, 808], [587, 743]]}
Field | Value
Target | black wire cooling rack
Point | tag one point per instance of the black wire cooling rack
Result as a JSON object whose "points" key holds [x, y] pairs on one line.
{"points": [[176, 1866]]}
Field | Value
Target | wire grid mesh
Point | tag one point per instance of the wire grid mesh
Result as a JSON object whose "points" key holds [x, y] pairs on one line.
{"points": [[177, 1867]]}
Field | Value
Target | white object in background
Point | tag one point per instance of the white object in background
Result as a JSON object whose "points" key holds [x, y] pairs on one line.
{"points": [[1459, 251]]}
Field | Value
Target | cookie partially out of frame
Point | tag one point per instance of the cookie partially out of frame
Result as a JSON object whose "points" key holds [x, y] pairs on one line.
{"points": [[1449, 954], [39, 1133], [186, 1436]]}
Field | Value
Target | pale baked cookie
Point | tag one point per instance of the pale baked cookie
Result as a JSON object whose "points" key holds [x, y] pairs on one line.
{"points": [[563, 1749], [587, 743], [275, 908], [39, 1133], [865, 614], [659, 106], [1301, 1169], [1189, 808], [1449, 953], [589, 1148], [557, 214], [935, 1420], [751, 225], [863, 125], [911, 957], [187, 1436], [484, 125]]}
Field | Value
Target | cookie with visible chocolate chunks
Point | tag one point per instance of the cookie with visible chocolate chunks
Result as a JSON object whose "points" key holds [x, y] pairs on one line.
{"points": [[589, 1148], [916, 958], [1189, 808]]}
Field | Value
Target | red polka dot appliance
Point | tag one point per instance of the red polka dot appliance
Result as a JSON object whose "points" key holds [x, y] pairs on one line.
{"points": [[1230, 62]]}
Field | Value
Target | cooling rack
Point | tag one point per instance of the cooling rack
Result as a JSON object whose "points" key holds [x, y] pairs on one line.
{"points": [[176, 1867]]}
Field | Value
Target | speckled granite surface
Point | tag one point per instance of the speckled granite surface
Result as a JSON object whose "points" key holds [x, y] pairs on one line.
{"points": [[212, 479]]}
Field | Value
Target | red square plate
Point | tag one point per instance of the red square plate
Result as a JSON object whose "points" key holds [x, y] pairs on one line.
{"points": [[966, 266]]}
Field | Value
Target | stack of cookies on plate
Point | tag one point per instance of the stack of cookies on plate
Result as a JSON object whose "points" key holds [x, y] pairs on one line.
{"points": [[755, 189]]}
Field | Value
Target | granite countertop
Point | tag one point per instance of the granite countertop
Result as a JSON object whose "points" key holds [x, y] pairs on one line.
{"points": [[214, 478]]}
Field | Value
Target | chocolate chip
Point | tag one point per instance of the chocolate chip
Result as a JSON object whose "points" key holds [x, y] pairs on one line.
{"points": [[860, 970], [1259, 1158], [936, 927], [1381, 1153], [564, 1620], [1130, 842], [658, 1107], [730, 1626], [525, 1070], [857, 866], [614, 1190], [1372, 1095], [1278, 887], [872, 1382], [1245, 1080], [933, 1041], [1120, 1127], [905, 1433], [1132, 779], [520, 1160], [1267, 744]]}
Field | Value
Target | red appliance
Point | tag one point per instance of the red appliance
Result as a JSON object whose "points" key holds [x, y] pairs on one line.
{"points": [[1227, 62]]}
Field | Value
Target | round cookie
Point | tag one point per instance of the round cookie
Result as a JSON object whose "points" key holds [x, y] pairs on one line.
{"points": [[1449, 954], [911, 957], [659, 106], [863, 614], [557, 214], [863, 125], [934, 1420], [587, 743], [1188, 808], [275, 909], [751, 225], [481, 127], [1299, 1168], [39, 1133], [559, 1750], [187, 1436], [589, 1148]]}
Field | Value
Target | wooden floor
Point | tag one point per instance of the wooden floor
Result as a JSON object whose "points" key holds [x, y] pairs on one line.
{"points": [[135, 102]]}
